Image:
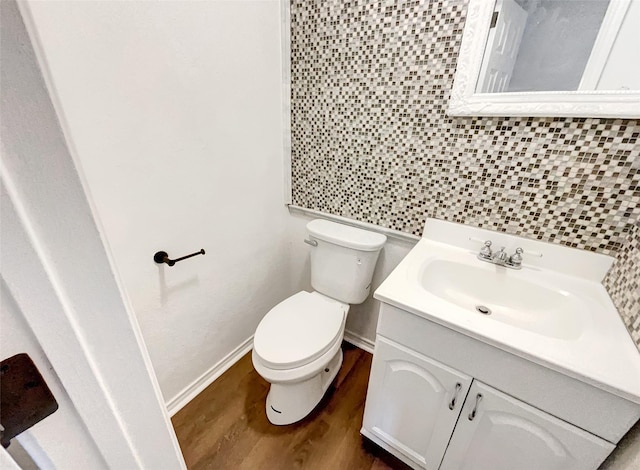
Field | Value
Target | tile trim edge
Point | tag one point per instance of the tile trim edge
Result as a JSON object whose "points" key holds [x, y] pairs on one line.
{"points": [[355, 223]]}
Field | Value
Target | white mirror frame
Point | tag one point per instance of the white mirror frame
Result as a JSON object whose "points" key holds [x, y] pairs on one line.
{"points": [[464, 100]]}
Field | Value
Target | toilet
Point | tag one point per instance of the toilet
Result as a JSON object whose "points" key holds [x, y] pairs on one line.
{"points": [[296, 346]]}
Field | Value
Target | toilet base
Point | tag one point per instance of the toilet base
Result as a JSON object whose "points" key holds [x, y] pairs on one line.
{"points": [[290, 402]]}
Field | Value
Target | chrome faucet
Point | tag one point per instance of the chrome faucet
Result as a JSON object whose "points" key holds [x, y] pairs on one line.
{"points": [[501, 257]]}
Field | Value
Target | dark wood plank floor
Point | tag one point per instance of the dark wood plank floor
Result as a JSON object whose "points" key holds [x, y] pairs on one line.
{"points": [[225, 427]]}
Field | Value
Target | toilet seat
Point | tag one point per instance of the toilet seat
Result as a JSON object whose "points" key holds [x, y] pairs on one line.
{"points": [[299, 329]]}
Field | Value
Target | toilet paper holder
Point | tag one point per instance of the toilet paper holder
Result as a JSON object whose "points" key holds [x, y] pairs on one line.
{"points": [[162, 257]]}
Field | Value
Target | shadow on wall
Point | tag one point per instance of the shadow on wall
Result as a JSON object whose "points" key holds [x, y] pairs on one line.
{"points": [[166, 291]]}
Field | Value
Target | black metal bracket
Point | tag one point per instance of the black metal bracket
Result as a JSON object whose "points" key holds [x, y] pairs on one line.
{"points": [[162, 257], [25, 397]]}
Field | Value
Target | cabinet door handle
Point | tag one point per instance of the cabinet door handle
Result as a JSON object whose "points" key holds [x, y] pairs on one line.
{"points": [[452, 403], [475, 407]]}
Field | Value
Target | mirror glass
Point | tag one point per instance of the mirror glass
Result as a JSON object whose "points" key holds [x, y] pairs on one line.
{"points": [[561, 45]]}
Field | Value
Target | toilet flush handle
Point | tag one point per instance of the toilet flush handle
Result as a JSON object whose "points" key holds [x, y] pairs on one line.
{"points": [[311, 242]]}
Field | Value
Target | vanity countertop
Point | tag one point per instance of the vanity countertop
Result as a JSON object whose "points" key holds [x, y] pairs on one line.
{"points": [[568, 323]]}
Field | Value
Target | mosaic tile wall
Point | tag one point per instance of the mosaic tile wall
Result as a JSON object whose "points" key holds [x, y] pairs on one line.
{"points": [[371, 139], [623, 283]]}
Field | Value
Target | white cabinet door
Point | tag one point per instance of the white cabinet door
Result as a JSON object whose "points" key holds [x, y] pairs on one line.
{"points": [[506, 434], [413, 402]]}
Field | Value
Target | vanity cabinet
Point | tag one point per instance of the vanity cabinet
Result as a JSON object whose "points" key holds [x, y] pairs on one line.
{"points": [[440, 399], [415, 402], [496, 431]]}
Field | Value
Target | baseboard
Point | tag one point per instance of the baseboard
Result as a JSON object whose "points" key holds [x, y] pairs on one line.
{"points": [[191, 391], [359, 341]]}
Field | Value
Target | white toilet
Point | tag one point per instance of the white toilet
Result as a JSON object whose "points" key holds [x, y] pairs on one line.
{"points": [[296, 347]]}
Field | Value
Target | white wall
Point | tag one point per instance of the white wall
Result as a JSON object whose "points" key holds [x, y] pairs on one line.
{"points": [[55, 265], [46, 442], [174, 111]]}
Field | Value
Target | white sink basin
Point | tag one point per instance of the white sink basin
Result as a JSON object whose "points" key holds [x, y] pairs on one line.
{"points": [[540, 309], [554, 311]]}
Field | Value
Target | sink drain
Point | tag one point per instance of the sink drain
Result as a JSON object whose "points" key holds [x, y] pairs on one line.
{"points": [[483, 310]]}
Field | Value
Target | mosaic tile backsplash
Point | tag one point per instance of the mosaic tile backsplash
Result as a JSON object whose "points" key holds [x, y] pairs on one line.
{"points": [[371, 139], [623, 283]]}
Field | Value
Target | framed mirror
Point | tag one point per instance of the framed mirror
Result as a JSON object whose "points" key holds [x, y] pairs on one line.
{"points": [[574, 58]]}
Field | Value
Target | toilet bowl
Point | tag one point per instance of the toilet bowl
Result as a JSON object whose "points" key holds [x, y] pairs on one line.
{"points": [[297, 350], [297, 343]]}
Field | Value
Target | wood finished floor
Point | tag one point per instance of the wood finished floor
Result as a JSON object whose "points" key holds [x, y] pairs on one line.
{"points": [[225, 427]]}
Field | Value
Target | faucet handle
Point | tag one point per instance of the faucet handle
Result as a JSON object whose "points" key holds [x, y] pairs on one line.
{"points": [[516, 258], [486, 252]]}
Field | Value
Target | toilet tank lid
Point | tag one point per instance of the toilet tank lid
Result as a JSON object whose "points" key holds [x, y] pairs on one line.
{"points": [[345, 235]]}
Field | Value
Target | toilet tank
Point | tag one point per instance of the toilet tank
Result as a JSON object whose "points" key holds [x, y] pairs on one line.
{"points": [[343, 260]]}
